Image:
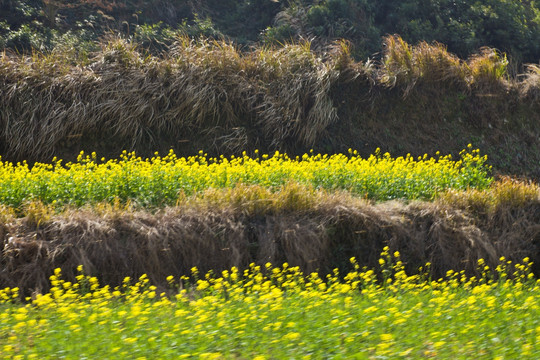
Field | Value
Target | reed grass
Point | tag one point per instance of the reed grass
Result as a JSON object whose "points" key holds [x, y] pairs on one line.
{"points": [[273, 97], [315, 229]]}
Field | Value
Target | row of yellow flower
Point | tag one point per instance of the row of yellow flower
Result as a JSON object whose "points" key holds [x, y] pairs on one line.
{"points": [[160, 180], [264, 313]]}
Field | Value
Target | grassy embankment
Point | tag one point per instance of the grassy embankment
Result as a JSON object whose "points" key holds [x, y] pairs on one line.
{"points": [[209, 95]]}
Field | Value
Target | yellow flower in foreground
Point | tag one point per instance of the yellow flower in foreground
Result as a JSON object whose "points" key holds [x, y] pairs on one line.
{"points": [[292, 336], [130, 340]]}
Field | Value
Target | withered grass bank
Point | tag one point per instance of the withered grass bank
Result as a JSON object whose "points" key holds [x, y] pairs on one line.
{"points": [[213, 96], [315, 230]]}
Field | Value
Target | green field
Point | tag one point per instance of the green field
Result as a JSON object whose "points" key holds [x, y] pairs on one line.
{"points": [[278, 313], [160, 181]]}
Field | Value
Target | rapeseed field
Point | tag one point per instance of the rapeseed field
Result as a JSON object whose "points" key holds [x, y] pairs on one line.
{"points": [[160, 181], [278, 312]]}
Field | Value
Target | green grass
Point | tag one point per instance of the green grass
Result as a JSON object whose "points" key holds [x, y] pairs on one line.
{"points": [[283, 314]]}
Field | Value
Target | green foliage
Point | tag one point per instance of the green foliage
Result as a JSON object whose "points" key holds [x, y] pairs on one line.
{"points": [[26, 39], [34, 36], [464, 26], [4, 29], [241, 20], [325, 21]]}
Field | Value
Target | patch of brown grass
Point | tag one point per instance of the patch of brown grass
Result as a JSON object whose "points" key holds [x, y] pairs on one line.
{"points": [[313, 229], [506, 193], [407, 65], [200, 88], [530, 84], [210, 94], [488, 69], [510, 214]]}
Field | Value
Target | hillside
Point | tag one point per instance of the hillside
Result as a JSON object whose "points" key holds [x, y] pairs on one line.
{"points": [[464, 26]]}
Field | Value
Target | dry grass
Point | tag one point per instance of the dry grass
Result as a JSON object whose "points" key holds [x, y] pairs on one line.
{"points": [[530, 85], [407, 65], [211, 93], [200, 88], [488, 69], [255, 200], [510, 213], [234, 227], [503, 194]]}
